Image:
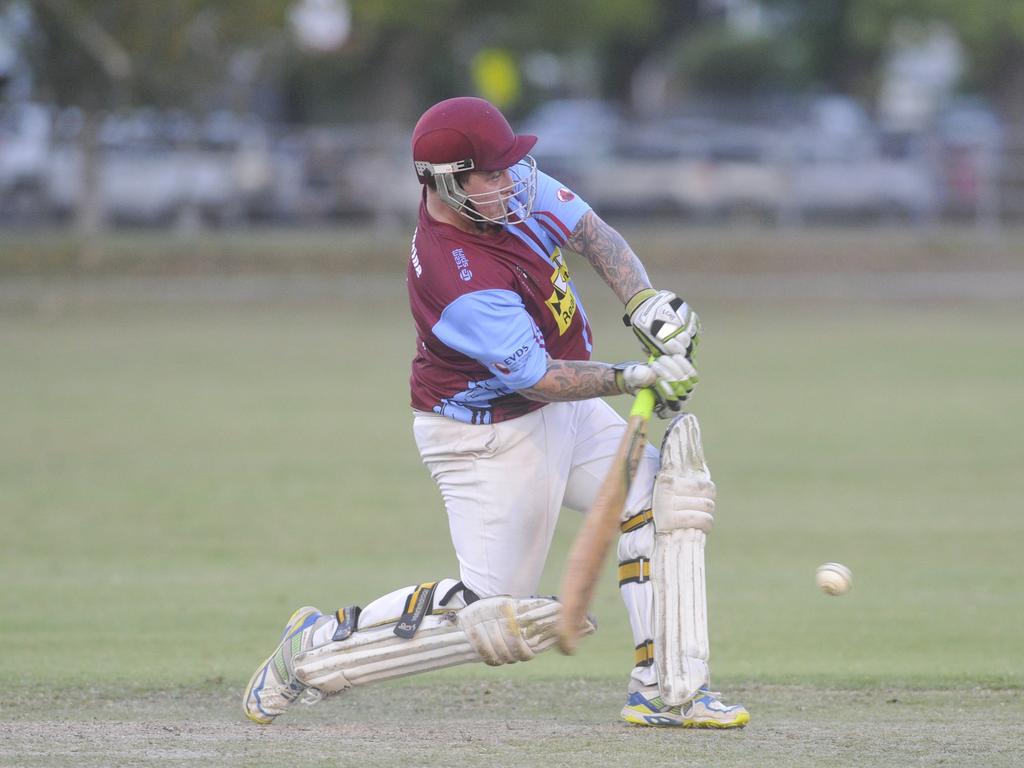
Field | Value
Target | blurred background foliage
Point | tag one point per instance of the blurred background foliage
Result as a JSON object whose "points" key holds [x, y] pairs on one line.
{"points": [[390, 58]]}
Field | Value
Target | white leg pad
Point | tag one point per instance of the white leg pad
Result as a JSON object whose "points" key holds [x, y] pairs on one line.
{"points": [[681, 614], [684, 508], [495, 630]]}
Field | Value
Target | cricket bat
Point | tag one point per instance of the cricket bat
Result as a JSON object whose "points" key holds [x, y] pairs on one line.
{"points": [[588, 552]]}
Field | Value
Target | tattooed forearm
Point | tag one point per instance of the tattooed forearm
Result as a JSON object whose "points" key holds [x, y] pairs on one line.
{"points": [[610, 256], [573, 380]]}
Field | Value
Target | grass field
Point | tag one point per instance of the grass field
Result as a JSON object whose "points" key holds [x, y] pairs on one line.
{"points": [[178, 472]]}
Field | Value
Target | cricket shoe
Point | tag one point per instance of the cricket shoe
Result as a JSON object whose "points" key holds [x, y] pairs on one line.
{"points": [[702, 711], [274, 686]]}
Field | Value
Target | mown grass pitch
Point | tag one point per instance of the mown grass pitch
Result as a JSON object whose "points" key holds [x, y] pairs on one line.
{"points": [[544, 724], [177, 476]]}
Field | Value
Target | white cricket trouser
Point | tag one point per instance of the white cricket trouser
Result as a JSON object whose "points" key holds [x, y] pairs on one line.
{"points": [[504, 485]]}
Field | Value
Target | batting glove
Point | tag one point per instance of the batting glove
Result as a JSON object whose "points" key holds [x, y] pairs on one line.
{"points": [[664, 323], [672, 378]]}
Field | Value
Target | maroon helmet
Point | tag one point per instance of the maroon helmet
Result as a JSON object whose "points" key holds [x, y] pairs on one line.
{"points": [[471, 134]]}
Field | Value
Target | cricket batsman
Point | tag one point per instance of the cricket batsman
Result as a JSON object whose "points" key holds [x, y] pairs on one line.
{"points": [[510, 420]]}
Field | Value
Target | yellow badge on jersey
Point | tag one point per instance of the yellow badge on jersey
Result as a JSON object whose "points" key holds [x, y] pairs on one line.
{"points": [[563, 300]]}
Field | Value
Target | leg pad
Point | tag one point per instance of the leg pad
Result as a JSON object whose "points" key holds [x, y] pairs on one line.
{"points": [[494, 630]]}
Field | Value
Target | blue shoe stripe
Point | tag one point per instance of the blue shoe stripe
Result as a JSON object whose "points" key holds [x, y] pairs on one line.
{"points": [[310, 621], [709, 700], [289, 633], [259, 687], [660, 720], [638, 700]]}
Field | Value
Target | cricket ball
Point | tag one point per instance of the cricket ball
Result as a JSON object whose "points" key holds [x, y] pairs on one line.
{"points": [[833, 578]]}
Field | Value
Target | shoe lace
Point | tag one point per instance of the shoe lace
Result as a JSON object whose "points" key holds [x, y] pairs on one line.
{"points": [[686, 705]]}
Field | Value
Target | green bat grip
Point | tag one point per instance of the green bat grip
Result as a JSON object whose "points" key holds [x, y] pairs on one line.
{"points": [[643, 404]]}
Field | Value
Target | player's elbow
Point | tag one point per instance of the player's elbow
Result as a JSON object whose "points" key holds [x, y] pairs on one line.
{"points": [[539, 395], [545, 390], [542, 391]]}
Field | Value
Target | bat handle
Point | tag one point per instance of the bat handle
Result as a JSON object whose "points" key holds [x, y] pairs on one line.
{"points": [[643, 403], [591, 545]]}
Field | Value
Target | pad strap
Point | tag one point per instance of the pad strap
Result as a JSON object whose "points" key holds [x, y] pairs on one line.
{"points": [[468, 595], [348, 622], [643, 655], [416, 607], [635, 571], [638, 520]]}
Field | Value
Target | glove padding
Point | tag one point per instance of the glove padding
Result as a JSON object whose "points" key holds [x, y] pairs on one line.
{"points": [[664, 323], [671, 377]]}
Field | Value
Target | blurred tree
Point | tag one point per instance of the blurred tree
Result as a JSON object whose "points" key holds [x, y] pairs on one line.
{"points": [[402, 57], [397, 58], [992, 32], [847, 39], [719, 61], [112, 53], [833, 55], [104, 55]]}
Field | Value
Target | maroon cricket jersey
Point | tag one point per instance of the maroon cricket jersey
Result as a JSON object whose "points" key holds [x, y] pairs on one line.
{"points": [[490, 308]]}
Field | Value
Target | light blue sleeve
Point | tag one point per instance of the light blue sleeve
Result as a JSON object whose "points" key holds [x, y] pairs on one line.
{"points": [[494, 328], [558, 207]]}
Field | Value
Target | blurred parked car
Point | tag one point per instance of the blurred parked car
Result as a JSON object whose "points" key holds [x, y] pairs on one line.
{"points": [[571, 134], [698, 168], [155, 171], [861, 178], [869, 187], [779, 160], [25, 131], [971, 140]]}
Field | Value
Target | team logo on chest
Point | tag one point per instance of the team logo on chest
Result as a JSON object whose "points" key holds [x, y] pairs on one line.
{"points": [[562, 302]]}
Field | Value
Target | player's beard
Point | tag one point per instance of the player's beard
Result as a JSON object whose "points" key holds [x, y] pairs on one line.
{"points": [[483, 227]]}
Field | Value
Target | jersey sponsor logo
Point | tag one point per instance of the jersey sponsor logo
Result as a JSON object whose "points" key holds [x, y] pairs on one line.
{"points": [[562, 301], [414, 256], [506, 365], [565, 195], [462, 264], [518, 354]]}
